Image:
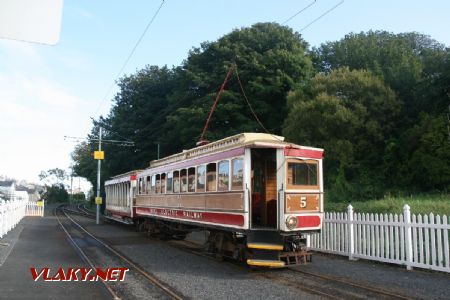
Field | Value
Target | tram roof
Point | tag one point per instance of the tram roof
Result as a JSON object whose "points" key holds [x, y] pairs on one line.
{"points": [[121, 177], [236, 141]]}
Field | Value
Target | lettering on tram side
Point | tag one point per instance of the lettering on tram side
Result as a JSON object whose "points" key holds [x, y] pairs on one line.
{"points": [[176, 213], [79, 274], [193, 215]]}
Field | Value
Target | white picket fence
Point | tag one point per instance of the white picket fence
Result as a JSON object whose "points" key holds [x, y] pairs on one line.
{"points": [[406, 239], [11, 212]]}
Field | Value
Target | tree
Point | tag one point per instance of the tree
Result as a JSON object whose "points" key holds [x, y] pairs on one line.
{"points": [[169, 106], [351, 114], [271, 60], [55, 193], [53, 176], [405, 61], [417, 68]]}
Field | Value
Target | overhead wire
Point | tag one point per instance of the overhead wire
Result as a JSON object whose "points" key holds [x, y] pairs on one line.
{"points": [[299, 12], [321, 16], [248, 102], [130, 55], [108, 128]]}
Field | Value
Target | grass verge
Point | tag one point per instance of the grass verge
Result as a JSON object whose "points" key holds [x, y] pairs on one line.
{"points": [[420, 204]]}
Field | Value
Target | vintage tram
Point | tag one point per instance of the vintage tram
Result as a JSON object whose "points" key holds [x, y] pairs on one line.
{"points": [[255, 194]]}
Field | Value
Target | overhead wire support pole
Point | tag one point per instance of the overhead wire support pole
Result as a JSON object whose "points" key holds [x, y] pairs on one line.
{"points": [[99, 167]]}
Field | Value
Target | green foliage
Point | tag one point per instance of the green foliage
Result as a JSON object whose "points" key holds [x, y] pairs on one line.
{"points": [[170, 106], [420, 204], [55, 175], [348, 113], [413, 149], [78, 197], [377, 104], [56, 193], [271, 60]]}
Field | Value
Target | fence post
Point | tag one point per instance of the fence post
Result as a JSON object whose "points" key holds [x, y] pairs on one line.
{"points": [[351, 239], [408, 236]]}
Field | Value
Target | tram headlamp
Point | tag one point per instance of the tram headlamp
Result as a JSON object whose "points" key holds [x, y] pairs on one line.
{"points": [[291, 222]]}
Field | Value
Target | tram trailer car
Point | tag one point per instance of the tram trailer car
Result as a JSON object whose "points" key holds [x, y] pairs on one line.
{"points": [[257, 195], [120, 197]]}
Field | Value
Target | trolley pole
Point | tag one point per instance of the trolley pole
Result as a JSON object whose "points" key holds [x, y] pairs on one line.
{"points": [[97, 219]]}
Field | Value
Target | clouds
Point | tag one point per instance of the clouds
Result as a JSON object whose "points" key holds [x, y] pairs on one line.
{"points": [[36, 111]]}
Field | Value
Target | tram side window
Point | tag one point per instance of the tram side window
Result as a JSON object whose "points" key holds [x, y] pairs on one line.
{"points": [[169, 183], [122, 193], [153, 184], [158, 184], [191, 180], [302, 174], [140, 186], [128, 187], [224, 175], [147, 185], [201, 172], [183, 180], [163, 183], [237, 177], [176, 181], [211, 177]]}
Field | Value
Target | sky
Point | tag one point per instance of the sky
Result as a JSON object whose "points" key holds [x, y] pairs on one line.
{"points": [[48, 92]]}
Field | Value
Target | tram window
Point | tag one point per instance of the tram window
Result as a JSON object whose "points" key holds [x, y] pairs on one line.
{"points": [[201, 170], [176, 181], [237, 177], [169, 182], [191, 180], [224, 175], [302, 174], [183, 181], [147, 185], [153, 184], [163, 183], [158, 184], [211, 177], [140, 185]]}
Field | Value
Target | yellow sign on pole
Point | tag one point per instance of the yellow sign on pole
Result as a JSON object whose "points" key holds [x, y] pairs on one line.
{"points": [[99, 154], [40, 203], [98, 200]]}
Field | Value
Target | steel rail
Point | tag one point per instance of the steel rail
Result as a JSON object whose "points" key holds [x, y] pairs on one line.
{"points": [[190, 247], [83, 255], [187, 246], [165, 288], [178, 245], [354, 284]]}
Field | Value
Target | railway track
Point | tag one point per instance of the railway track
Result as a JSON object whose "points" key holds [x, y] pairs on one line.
{"points": [[329, 287], [82, 208], [318, 284], [97, 253], [322, 285]]}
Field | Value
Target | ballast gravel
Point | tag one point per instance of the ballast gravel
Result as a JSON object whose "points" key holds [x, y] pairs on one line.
{"points": [[191, 275]]}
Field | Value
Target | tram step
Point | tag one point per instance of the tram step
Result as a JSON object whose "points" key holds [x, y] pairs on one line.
{"points": [[265, 263], [265, 246]]}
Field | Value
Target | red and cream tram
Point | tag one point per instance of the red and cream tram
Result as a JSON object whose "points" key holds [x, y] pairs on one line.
{"points": [[256, 194]]}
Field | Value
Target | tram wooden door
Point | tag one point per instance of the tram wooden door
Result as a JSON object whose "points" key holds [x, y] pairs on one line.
{"points": [[264, 188]]}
